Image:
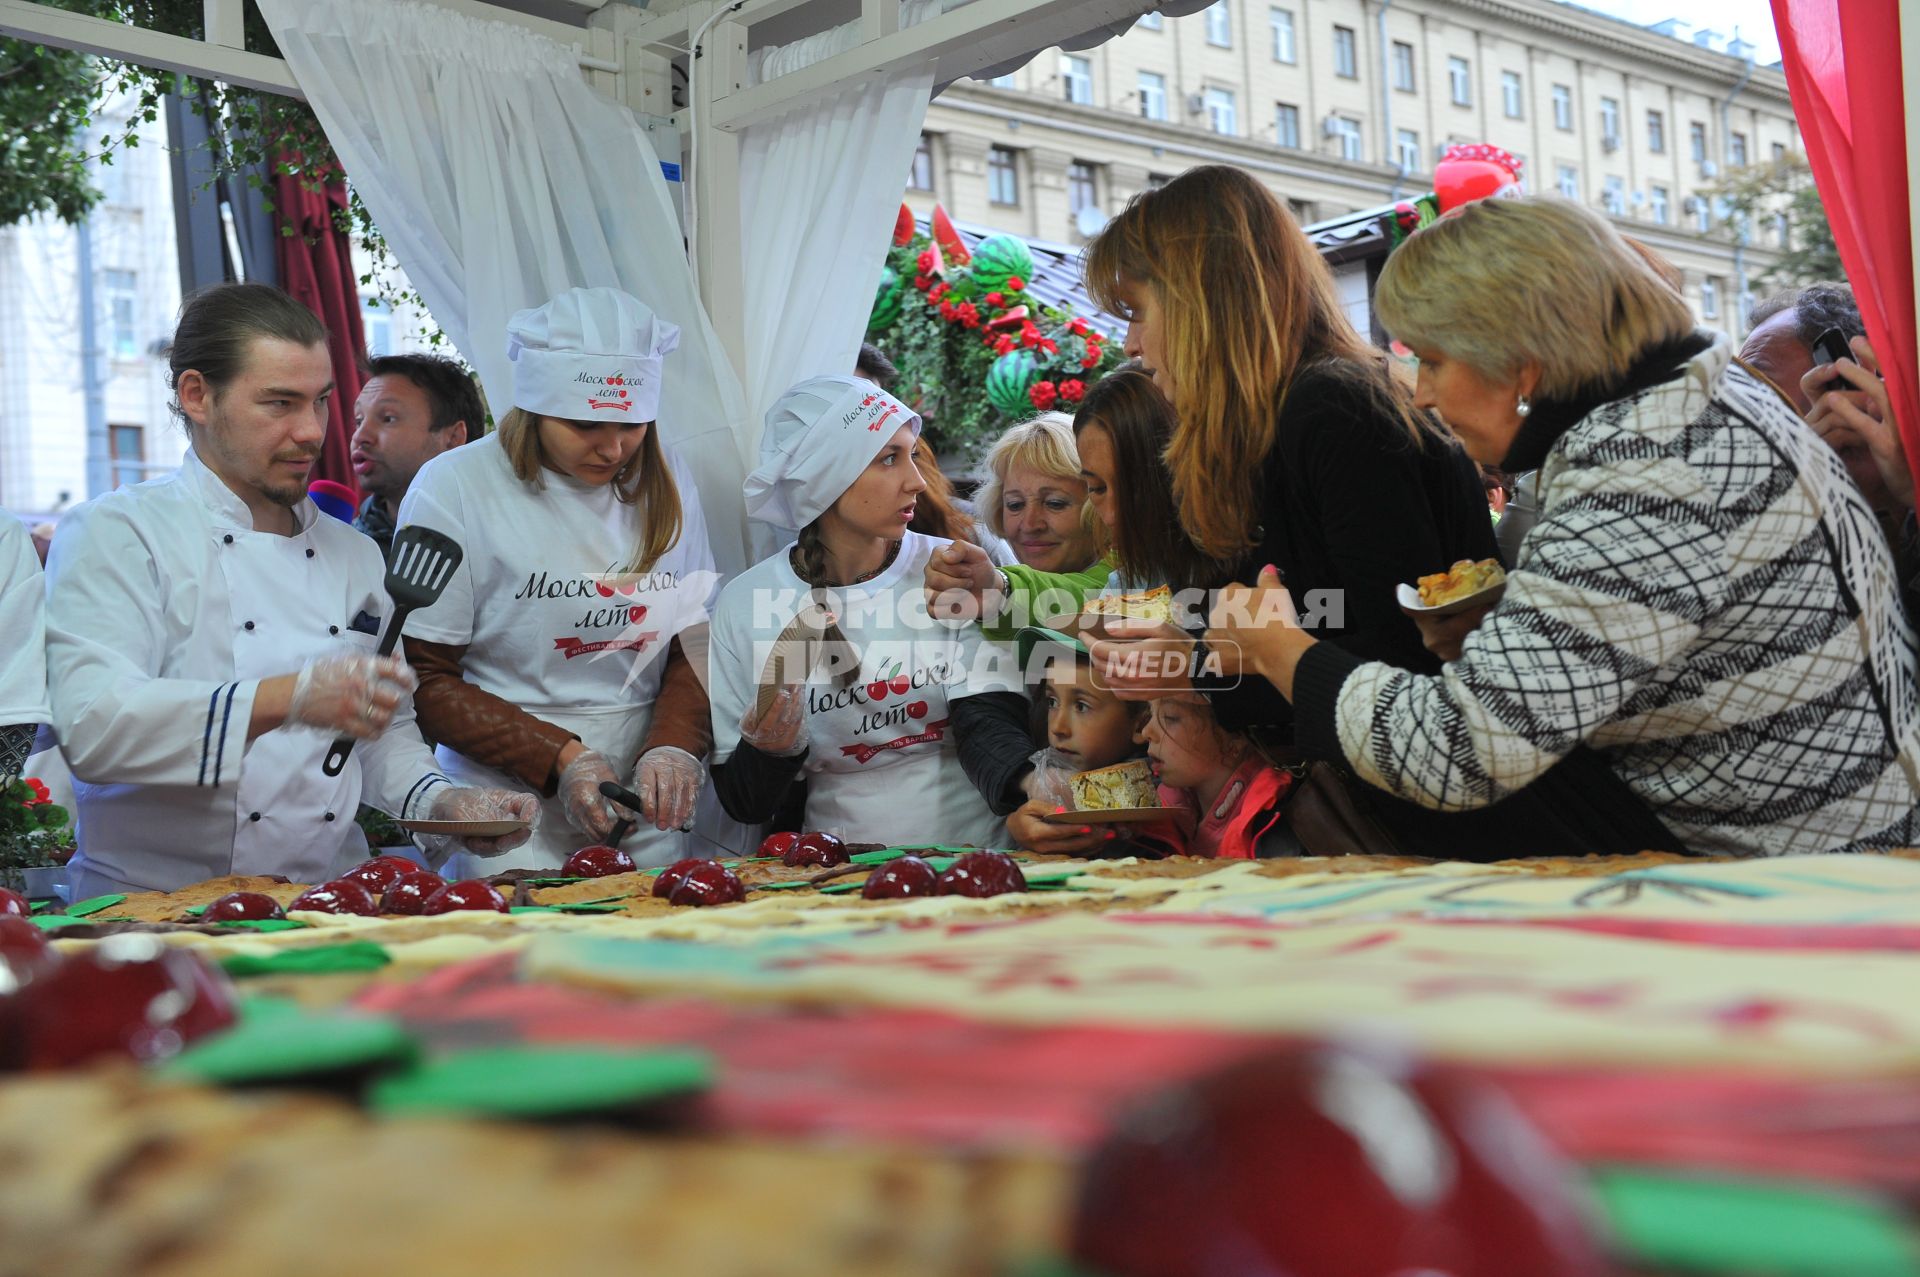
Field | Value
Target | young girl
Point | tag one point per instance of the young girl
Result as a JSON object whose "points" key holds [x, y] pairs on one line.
{"points": [[1086, 728], [554, 654], [1220, 776], [881, 751]]}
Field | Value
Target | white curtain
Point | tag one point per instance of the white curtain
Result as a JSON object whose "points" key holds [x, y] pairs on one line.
{"points": [[500, 179], [820, 188]]}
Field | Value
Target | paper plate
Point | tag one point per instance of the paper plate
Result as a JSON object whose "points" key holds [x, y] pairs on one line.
{"points": [[465, 828], [1409, 599], [1112, 816]]}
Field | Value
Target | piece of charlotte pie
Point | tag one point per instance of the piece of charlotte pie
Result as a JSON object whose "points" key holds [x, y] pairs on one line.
{"points": [[1122, 785], [1148, 605], [1462, 579]]}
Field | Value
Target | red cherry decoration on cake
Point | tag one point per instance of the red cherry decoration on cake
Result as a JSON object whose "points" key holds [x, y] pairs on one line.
{"points": [[127, 996], [822, 850], [21, 941], [13, 904], [381, 872], [471, 894], [338, 896], [673, 875], [982, 873], [597, 861], [243, 906], [778, 844], [708, 883], [898, 879], [410, 893]]}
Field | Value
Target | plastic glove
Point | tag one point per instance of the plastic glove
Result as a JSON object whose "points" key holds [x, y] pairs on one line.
{"points": [[587, 808], [782, 730], [1051, 780], [353, 694], [480, 804], [668, 781]]}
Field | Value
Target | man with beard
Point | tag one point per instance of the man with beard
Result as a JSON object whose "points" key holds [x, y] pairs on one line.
{"points": [[412, 409], [209, 634]]}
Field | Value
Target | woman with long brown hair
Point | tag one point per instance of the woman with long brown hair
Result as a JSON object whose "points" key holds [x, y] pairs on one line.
{"points": [[1297, 447], [554, 656]]}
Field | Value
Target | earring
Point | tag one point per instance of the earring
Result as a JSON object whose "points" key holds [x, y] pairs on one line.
{"points": [[1523, 406]]}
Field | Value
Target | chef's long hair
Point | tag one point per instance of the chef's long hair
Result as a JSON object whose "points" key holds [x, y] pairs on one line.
{"points": [[644, 481]]}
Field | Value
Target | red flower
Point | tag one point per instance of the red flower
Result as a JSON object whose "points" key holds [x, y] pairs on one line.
{"points": [[947, 311], [924, 262], [1047, 344], [921, 282], [1078, 328], [1073, 390], [1015, 283], [969, 314], [1043, 394], [996, 299], [41, 794], [1030, 338], [1004, 346], [1092, 358]]}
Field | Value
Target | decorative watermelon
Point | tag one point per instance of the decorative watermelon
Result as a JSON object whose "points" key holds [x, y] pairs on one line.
{"points": [[886, 301], [1000, 258], [1008, 380], [903, 227], [951, 245]]}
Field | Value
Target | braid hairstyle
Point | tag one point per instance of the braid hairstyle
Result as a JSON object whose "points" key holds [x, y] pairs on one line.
{"points": [[809, 558]]}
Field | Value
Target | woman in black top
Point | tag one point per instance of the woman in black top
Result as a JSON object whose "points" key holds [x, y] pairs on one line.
{"points": [[1298, 446]]}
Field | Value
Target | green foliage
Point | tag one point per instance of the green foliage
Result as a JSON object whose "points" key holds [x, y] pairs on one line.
{"points": [[1756, 194], [949, 329], [46, 100], [33, 831]]}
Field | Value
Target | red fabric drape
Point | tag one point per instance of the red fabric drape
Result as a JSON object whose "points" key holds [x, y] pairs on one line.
{"points": [[316, 266], [1842, 59]]}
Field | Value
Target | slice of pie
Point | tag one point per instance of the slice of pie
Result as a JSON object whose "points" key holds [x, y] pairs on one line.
{"points": [[1127, 784], [1457, 582], [1148, 605]]}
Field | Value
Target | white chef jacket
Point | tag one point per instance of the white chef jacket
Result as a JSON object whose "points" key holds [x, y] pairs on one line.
{"points": [[165, 609], [23, 628]]}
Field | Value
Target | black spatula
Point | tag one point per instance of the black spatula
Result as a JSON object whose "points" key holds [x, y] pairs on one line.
{"points": [[421, 564]]}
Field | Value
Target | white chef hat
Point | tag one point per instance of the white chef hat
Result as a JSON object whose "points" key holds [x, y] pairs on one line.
{"points": [[590, 354], [820, 435]]}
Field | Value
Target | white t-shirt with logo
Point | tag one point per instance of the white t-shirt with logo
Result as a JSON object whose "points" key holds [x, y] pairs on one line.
{"points": [[538, 600], [882, 765]]}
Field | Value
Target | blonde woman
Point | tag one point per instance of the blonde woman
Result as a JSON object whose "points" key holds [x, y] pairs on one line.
{"points": [[1706, 601], [1035, 498], [555, 654]]}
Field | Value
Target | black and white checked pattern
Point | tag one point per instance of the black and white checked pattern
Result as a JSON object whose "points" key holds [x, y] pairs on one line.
{"points": [[1706, 599]]}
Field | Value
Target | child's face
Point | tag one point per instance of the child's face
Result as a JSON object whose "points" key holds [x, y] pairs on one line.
{"points": [[1089, 727], [1183, 746]]}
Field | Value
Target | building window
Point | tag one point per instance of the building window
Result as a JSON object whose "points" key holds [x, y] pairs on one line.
{"points": [[1702, 214], [1510, 95], [1403, 66], [1569, 181], [1281, 20], [1221, 117], [1657, 203], [1406, 147], [1286, 126], [1610, 123], [1563, 108], [1153, 96], [1346, 61], [1613, 195], [112, 178], [122, 288], [1076, 77], [1779, 151], [1346, 131], [127, 449], [1656, 132], [920, 176], [1697, 139], [1003, 179], [1082, 187], [1220, 25], [1738, 149], [1709, 298], [1150, 22], [376, 326], [1460, 79], [1782, 230]]}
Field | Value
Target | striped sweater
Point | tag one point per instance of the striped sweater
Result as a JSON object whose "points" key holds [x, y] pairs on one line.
{"points": [[1706, 600]]}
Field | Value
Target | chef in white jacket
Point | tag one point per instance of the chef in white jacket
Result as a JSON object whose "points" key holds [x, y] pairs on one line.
{"points": [[209, 633], [23, 646]]}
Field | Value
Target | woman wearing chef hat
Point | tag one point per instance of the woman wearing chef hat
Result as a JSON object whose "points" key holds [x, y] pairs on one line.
{"points": [[876, 729], [555, 654]]}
